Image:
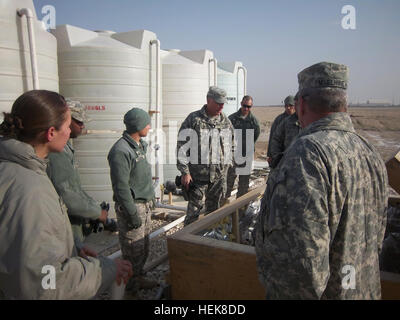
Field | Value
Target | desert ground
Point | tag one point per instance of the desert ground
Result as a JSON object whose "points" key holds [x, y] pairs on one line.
{"points": [[379, 125]]}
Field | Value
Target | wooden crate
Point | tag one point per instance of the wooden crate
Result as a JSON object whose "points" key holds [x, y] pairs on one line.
{"points": [[393, 170], [203, 268]]}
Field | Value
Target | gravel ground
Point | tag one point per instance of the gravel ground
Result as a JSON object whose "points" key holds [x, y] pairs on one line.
{"points": [[158, 247]]}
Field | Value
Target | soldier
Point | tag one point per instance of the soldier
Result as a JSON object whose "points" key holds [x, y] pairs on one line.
{"points": [[210, 136], [289, 110], [389, 260], [244, 122], [285, 132], [63, 173], [38, 258], [133, 195], [323, 214]]}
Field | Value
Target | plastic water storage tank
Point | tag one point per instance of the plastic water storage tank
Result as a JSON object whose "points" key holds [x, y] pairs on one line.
{"points": [[186, 77], [231, 76], [109, 73], [15, 62]]}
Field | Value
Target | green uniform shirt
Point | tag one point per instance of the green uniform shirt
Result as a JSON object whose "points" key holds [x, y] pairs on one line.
{"points": [[63, 173], [130, 173], [248, 123]]}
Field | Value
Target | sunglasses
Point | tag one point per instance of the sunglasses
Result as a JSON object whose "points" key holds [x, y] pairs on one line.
{"points": [[246, 106]]}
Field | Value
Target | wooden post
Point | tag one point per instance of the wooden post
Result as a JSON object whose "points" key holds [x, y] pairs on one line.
{"points": [[235, 225]]}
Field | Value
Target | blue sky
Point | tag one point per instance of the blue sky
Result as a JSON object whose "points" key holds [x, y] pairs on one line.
{"points": [[274, 39]]}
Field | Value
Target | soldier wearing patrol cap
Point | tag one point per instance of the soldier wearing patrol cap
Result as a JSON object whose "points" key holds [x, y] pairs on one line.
{"points": [[210, 134], [323, 214], [63, 173]]}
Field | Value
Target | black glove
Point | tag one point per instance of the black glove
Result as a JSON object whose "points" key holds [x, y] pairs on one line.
{"points": [[134, 221]]}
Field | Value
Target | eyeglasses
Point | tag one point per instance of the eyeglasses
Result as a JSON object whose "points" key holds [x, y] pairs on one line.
{"points": [[246, 106]]}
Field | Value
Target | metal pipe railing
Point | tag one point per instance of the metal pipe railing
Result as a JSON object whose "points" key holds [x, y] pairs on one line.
{"points": [[213, 60], [237, 85], [32, 44]]}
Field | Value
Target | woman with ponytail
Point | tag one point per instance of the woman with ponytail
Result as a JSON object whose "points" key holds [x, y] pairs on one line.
{"points": [[38, 258]]}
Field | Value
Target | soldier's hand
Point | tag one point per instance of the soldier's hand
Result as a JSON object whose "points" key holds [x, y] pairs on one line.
{"points": [[85, 252], [124, 270], [134, 222], [269, 160], [103, 216], [186, 179]]}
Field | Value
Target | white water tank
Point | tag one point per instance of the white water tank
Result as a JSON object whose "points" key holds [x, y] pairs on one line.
{"points": [[186, 77], [231, 77], [15, 62], [110, 73]]}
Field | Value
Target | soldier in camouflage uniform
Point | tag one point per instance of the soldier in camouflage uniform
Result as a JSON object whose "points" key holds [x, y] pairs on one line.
{"points": [[133, 194], [289, 110], [243, 121], [389, 260], [208, 135], [323, 214], [63, 173], [285, 132]]}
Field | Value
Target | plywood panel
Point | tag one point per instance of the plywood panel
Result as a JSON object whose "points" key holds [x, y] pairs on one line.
{"points": [[205, 272]]}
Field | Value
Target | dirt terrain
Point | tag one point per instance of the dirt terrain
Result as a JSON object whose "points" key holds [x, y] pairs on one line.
{"points": [[380, 126]]}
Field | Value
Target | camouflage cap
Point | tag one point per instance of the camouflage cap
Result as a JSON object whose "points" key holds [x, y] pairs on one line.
{"points": [[323, 75], [289, 101], [217, 94], [77, 110]]}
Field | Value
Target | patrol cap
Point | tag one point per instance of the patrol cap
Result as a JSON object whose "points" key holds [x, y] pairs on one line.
{"points": [[136, 119], [217, 94], [77, 110], [289, 101], [324, 75]]}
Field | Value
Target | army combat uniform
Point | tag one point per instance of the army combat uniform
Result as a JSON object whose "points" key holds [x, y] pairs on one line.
{"points": [[133, 195], [248, 123], [323, 214], [208, 178], [274, 125], [283, 136], [63, 173]]}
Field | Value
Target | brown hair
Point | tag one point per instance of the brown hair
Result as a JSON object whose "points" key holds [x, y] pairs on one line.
{"points": [[247, 98], [32, 114]]}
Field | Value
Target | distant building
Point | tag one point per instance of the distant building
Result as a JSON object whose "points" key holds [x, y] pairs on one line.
{"points": [[373, 103]]}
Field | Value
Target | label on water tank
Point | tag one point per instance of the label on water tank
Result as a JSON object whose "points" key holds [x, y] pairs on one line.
{"points": [[96, 108]]}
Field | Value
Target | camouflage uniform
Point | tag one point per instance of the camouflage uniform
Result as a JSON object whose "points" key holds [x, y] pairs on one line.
{"points": [[284, 134], [389, 260], [209, 178], [323, 211], [274, 125], [133, 194], [135, 242], [248, 123]]}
